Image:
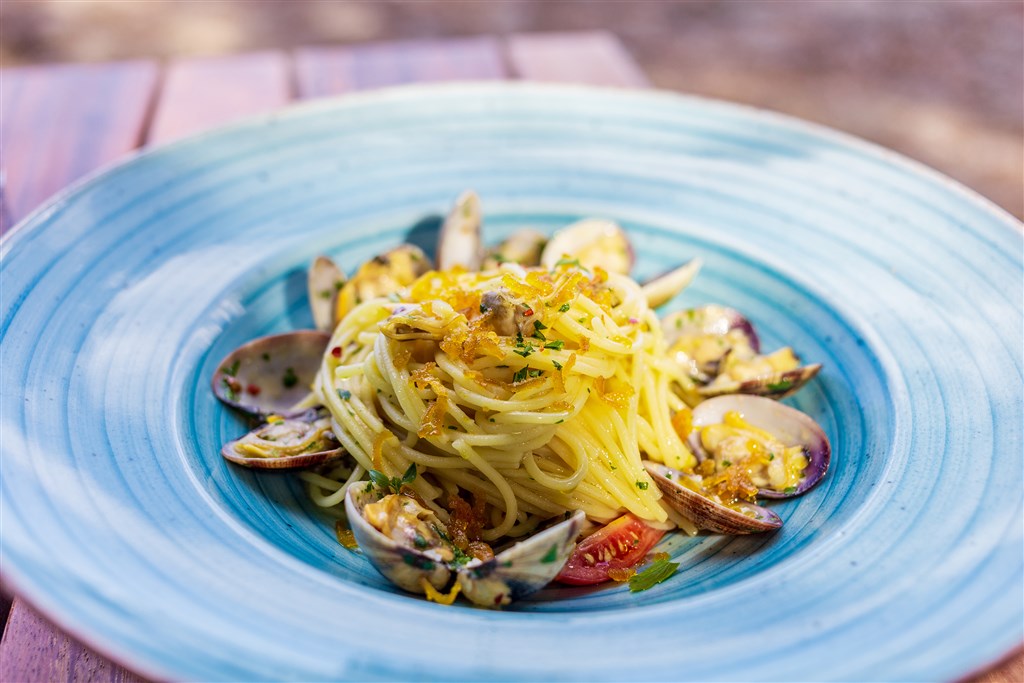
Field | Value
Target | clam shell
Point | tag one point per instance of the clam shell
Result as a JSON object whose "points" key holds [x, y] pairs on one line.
{"points": [[324, 281], [706, 513], [459, 243], [381, 276], [525, 568], [523, 247], [399, 564], [711, 319], [594, 242], [270, 375], [661, 289], [299, 425], [788, 425], [776, 386]]}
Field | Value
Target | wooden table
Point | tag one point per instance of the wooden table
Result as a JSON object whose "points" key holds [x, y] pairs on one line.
{"points": [[58, 123]]}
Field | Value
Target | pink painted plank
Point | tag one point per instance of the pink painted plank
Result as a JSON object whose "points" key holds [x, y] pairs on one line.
{"points": [[596, 58], [57, 123], [321, 71], [201, 93], [44, 653]]}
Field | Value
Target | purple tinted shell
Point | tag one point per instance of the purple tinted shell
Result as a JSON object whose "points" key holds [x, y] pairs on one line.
{"points": [[788, 425]]}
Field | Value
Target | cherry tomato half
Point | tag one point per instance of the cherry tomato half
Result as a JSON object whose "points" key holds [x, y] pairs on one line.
{"points": [[621, 544]]}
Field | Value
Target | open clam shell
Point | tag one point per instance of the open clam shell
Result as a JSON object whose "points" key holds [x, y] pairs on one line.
{"points": [[324, 281], [403, 565], [381, 276], [460, 242], [523, 247], [661, 289], [789, 425], [710, 320], [705, 513], [299, 442], [270, 375], [525, 568], [777, 385], [593, 242]]}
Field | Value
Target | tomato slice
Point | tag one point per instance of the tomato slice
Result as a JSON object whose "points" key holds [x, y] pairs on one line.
{"points": [[620, 544]]}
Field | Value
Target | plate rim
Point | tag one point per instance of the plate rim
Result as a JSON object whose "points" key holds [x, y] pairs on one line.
{"points": [[36, 219]]}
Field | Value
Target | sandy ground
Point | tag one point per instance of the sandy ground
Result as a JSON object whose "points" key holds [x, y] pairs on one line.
{"points": [[939, 80]]}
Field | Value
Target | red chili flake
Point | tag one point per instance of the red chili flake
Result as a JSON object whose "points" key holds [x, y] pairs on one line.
{"points": [[633, 321], [336, 352], [528, 312], [252, 390]]}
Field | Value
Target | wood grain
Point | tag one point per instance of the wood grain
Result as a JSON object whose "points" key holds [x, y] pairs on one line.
{"points": [[34, 650], [201, 93], [58, 123], [596, 58], [325, 71]]}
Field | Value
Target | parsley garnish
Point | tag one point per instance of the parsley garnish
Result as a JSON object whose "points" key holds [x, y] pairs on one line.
{"points": [[524, 350], [556, 345], [538, 325], [520, 375], [780, 386], [551, 555], [392, 484], [564, 307], [232, 369], [290, 379], [652, 576], [344, 394], [789, 489], [558, 366], [642, 485]]}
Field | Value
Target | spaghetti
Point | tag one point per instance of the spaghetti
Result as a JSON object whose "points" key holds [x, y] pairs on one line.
{"points": [[536, 391]]}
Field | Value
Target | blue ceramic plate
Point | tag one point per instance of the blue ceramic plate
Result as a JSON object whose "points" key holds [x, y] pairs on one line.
{"points": [[122, 522]]}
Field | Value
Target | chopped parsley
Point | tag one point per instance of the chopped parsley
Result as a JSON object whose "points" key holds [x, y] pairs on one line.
{"points": [[232, 369], [564, 307], [780, 386], [653, 575], [551, 555], [789, 489], [642, 485], [523, 350], [558, 366], [520, 375], [391, 484], [556, 345], [344, 394], [290, 379]]}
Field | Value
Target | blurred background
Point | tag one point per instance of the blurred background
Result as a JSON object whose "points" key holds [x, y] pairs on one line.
{"points": [[941, 81]]}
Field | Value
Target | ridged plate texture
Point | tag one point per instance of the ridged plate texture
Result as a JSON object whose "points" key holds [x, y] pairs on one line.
{"points": [[122, 522]]}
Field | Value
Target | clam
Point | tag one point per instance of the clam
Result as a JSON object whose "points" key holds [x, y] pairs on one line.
{"points": [[710, 321], [409, 545], [789, 426], [682, 492], [270, 375], [775, 385], [303, 440], [722, 351], [381, 276], [400, 555], [592, 242], [324, 281], [522, 569], [660, 289], [523, 247], [459, 243]]}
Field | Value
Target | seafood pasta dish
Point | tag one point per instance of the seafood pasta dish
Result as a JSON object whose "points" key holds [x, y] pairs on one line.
{"points": [[494, 420]]}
